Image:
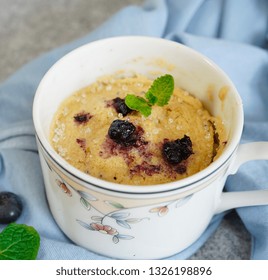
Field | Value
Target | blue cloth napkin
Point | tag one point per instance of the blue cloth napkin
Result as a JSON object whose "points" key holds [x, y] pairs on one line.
{"points": [[232, 33]]}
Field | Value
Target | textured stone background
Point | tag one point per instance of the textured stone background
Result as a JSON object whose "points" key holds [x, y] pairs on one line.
{"points": [[29, 28]]}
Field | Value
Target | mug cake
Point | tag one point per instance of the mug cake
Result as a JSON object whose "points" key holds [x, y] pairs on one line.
{"points": [[98, 133]]}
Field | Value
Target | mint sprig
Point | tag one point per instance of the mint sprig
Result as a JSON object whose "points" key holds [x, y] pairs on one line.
{"points": [[19, 242], [158, 94], [138, 104]]}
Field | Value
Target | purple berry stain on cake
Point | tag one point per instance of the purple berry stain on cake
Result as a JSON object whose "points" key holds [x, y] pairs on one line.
{"points": [[82, 117]]}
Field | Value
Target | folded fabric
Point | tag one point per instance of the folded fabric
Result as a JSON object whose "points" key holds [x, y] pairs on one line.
{"points": [[231, 33]]}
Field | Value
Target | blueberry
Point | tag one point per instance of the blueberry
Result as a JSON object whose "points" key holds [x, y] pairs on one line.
{"points": [[82, 117], [10, 207], [176, 151], [123, 132], [120, 106]]}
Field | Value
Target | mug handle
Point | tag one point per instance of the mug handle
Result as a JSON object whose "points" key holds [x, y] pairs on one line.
{"points": [[231, 200]]}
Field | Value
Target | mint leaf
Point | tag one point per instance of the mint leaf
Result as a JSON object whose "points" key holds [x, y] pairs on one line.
{"points": [[159, 93], [19, 242], [138, 104], [161, 90]]}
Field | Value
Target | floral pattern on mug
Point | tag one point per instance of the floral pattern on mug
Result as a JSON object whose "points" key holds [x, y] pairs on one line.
{"points": [[121, 215], [163, 210], [122, 219], [105, 229], [63, 187]]}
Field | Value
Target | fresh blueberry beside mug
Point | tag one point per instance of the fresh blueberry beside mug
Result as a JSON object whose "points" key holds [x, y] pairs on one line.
{"points": [[10, 207]]}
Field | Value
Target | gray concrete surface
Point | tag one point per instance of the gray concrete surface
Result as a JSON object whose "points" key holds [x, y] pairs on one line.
{"points": [[29, 28]]}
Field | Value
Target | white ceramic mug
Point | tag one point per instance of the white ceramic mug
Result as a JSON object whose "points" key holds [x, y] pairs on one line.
{"points": [[148, 222]]}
